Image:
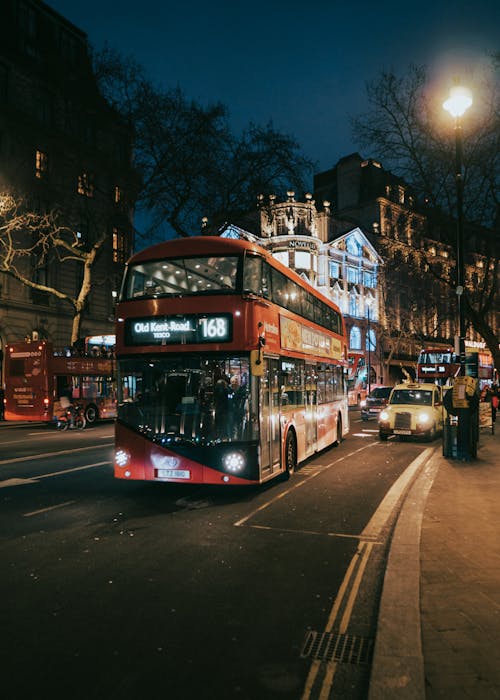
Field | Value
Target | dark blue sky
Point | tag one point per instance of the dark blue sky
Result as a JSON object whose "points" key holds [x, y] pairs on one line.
{"points": [[302, 65]]}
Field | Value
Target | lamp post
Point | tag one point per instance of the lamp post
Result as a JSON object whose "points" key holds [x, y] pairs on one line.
{"points": [[369, 301], [457, 104]]}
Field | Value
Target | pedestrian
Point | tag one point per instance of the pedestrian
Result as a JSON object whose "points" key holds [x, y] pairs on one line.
{"points": [[495, 398]]}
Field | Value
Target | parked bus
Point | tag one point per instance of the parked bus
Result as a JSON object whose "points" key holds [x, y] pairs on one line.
{"points": [[37, 375], [230, 367]]}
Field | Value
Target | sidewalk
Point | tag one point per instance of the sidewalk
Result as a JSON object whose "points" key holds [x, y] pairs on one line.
{"points": [[460, 577], [439, 620]]}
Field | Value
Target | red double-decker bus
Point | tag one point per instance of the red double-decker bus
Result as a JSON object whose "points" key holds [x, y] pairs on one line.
{"points": [[230, 368], [37, 375], [437, 365]]}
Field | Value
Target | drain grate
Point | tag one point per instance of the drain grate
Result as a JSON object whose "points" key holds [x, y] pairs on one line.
{"points": [[332, 646]]}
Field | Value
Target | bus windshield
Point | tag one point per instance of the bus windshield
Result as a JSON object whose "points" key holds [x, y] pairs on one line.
{"points": [[187, 399], [181, 276]]}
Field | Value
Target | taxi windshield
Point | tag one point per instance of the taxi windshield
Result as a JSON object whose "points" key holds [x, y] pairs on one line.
{"points": [[418, 397]]}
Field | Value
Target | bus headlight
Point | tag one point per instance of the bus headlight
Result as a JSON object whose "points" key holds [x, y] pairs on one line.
{"points": [[234, 462], [122, 458]]}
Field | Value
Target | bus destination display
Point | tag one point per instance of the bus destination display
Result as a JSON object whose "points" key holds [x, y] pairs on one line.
{"points": [[189, 329]]}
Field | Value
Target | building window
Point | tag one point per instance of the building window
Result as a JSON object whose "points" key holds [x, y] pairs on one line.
{"points": [[371, 340], [282, 256], [352, 274], [369, 279], [355, 338], [118, 194], [353, 246], [302, 260], [27, 20], [119, 253], [41, 165], [334, 269], [86, 184], [353, 305]]}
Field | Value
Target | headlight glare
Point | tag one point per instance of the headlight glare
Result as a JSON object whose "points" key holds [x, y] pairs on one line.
{"points": [[234, 462], [122, 457]]}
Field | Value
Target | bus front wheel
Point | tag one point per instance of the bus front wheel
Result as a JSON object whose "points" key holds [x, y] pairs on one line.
{"points": [[290, 454]]}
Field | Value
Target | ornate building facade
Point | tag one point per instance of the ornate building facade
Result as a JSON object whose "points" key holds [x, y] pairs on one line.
{"points": [[344, 266]]}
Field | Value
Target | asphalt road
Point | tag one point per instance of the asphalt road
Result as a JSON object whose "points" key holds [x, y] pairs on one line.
{"points": [[113, 589]]}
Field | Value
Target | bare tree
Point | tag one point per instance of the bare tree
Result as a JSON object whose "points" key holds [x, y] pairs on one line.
{"points": [[407, 130], [30, 241], [192, 164]]}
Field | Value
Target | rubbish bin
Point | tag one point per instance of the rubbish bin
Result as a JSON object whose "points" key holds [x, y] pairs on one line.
{"points": [[450, 437]]}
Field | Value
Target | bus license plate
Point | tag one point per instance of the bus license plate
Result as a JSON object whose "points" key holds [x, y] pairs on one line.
{"points": [[174, 474], [402, 432]]}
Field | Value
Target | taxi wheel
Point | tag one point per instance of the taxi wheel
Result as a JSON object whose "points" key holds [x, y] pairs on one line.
{"points": [[383, 436], [431, 435]]}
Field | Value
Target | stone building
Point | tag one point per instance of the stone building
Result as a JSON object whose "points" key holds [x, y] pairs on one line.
{"points": [[61, 147], [416, 309]]}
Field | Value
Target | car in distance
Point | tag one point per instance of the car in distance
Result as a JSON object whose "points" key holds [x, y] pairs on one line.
{"points": [[375, 401], [412, 410]]}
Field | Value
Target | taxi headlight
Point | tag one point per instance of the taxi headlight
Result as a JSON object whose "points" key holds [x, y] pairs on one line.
{"points": [[234, 462], [384, 415], [122, 457], [423, 417]]}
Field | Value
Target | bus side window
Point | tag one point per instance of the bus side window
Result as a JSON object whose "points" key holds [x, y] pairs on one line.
{"points": [[252, 275]]}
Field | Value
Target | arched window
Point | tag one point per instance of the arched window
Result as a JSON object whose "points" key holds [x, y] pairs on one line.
{"points": [[355, 338]]}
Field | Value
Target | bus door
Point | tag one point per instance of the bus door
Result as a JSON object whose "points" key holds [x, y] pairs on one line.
{"points": [[270, 441], [311, 409]]}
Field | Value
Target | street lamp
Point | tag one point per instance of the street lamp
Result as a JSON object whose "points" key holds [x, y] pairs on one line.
{"points": [[369, 302], [457, 104]]}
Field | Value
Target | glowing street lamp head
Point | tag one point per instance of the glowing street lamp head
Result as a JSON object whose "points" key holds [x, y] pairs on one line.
{"points": [[459, 101]]}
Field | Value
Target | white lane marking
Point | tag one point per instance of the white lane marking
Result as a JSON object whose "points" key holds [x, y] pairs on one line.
{"points": [[16, 482], [298, 485], [36, 479], [372, 530], [51, 454], [46, 510], [314, 532]]}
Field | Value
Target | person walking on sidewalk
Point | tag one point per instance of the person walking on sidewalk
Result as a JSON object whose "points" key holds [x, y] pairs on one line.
{"points": [[495, 398]]}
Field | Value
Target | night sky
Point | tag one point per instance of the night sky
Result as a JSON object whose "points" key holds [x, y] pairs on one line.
{"points": [[302, 65]]}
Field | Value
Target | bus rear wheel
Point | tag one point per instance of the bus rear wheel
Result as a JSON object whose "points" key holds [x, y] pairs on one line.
{"points": [[338, 437], [91, 413], [290, 454]]}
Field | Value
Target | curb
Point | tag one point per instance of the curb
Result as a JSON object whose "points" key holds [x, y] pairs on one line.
{"points": [[398, 662]]}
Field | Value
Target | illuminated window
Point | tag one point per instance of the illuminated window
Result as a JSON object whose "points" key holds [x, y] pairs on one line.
{"points": [[41, 165], [86, 184], [118, 246], [352, 274], [302, 260], [118, 194], [282, 256], [355, 338]]}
